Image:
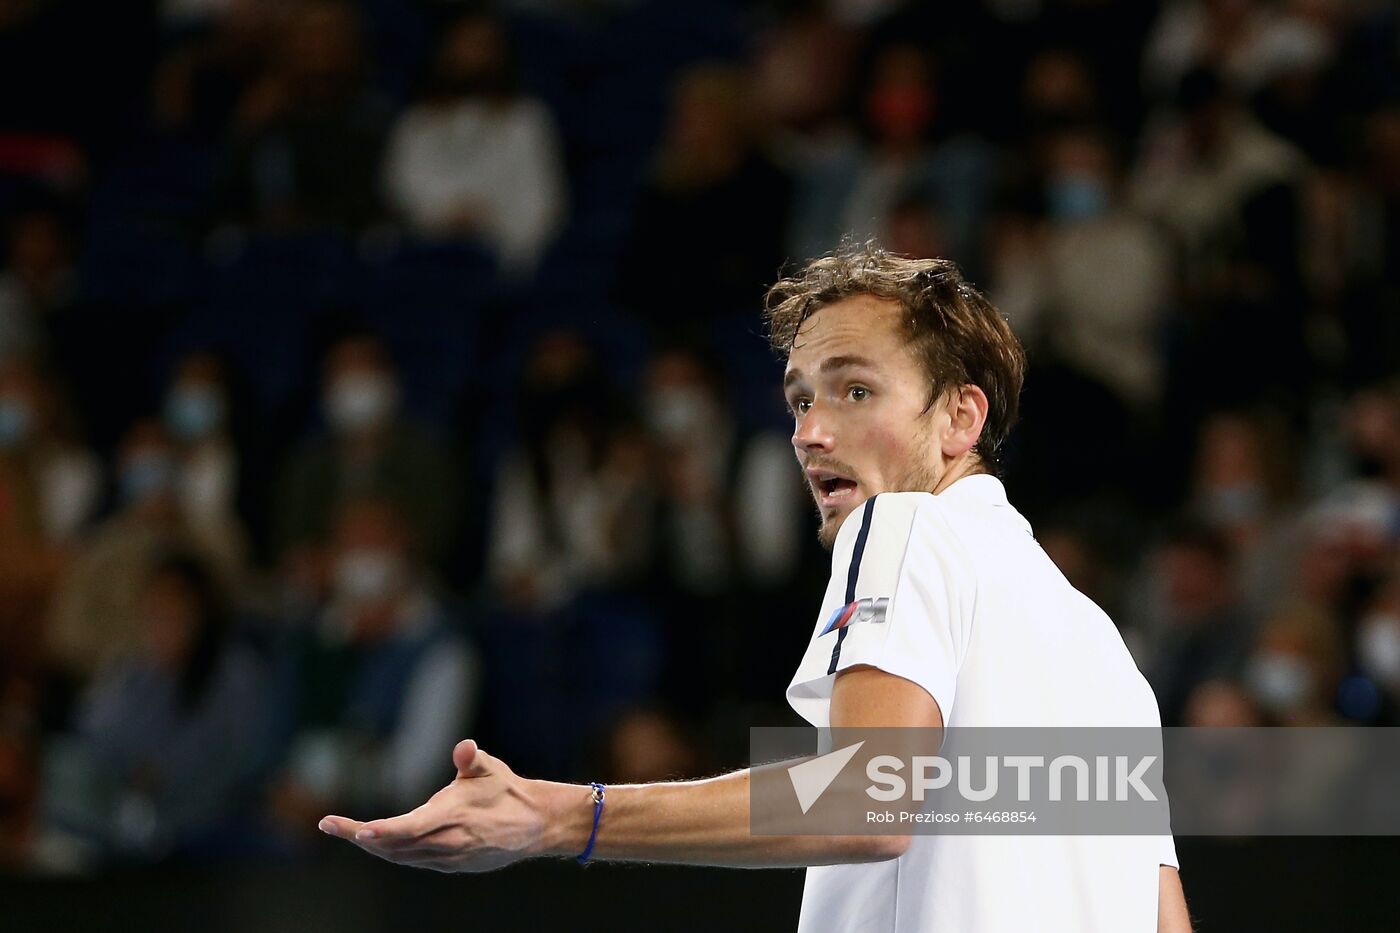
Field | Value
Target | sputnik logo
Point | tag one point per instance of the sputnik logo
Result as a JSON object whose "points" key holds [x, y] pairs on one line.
{"points": [[811, 778]]}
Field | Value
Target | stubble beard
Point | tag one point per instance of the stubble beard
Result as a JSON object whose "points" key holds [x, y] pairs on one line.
{"points": [[919, 476]]}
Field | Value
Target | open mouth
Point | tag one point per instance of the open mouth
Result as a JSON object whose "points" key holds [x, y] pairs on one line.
{"points": [[831, 488]]}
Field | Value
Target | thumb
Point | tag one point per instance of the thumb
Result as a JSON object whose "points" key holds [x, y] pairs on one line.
{"points": [[469, 759]]}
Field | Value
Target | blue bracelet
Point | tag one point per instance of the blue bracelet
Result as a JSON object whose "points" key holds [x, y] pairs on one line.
{"points": [[600, 794]]}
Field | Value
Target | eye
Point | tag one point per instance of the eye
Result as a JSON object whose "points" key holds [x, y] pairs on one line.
{"points": [[858, 393], [800, 406]]}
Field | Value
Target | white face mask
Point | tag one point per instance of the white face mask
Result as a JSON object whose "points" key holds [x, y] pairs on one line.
{"points": [[360, 400], [1280, 682], [367, 574], [1378, 647]]}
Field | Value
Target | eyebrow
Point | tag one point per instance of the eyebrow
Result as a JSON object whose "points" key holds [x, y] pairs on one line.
{"points": [[829, 365]]}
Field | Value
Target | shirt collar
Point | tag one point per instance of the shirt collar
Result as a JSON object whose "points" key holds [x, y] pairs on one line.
{"points": [[978, 487]]}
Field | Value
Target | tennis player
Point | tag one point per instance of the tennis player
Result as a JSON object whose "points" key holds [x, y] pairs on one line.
{"points": [[903, 382]]}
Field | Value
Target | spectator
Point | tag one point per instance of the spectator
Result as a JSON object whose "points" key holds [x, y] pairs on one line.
{"points": [[1355, 249], [96, 613], [1197, 173], [1244, 487], [201, 414], [1373, 431], [746, 478], [1300, 96], [1084, 281], [381, 681], [1228, 193], [1378, 641], [38, 281], [475, 157], [1351, 534], [1247, 41], [569, 546], [20, 743], [730, 519], [50, 487], [38, 435], [370, 449], [855, 191], [715, 201], [1221, 704], [197, 86], [1227, 772], [1104, 274], [802, 65], [1294, 669], [1200, 633], [308, 133], [571, 498], [1086, 566], [1058, 93], [170, 735]]}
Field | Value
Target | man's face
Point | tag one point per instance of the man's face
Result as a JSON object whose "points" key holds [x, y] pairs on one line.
{"points": [[858, 396]]}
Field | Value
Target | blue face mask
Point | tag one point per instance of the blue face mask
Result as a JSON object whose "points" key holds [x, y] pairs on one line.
{"points": [[146, 475], [1076, 197], [15, 420], [194, 412]]}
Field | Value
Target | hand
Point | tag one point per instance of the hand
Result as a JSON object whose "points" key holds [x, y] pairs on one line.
{"points": [[487, 818]]}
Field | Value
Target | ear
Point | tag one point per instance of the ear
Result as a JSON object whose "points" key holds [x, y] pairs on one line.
{"points": [[967, 413]]}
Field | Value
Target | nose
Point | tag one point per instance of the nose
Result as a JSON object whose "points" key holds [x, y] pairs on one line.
{"points": [[812, 433]]}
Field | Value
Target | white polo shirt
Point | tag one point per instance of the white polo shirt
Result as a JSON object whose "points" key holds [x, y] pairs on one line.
{"points": [[982, 619]]}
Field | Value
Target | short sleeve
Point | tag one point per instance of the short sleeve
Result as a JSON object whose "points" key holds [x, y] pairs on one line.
{"points": [[900, 600], [1167, 853]]}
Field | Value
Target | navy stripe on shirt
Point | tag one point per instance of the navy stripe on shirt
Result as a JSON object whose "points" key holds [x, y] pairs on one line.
{"points": [[851, 576]]}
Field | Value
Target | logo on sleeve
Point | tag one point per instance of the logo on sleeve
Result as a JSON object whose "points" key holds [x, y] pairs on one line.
{"points": [[867, 609]]}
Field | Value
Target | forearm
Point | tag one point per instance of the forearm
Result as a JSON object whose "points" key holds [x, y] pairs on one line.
{"points": [[704, 822], [1172, 916]]}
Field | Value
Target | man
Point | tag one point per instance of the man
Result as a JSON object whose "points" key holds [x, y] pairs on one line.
{"points": [[903, 382]]}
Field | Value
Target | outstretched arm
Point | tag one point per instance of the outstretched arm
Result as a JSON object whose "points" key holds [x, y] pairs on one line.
{"points": [[489, 817]]}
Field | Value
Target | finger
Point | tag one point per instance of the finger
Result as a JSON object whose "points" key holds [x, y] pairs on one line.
{"points": [[415, 855], [339, 826], [469, 759], [398, 829], [412, 857]]}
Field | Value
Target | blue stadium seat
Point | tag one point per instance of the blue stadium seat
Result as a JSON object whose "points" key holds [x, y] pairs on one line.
{"points": [[157, 179], [136, 264], [753, 372], [427, 300], [262, 302]]}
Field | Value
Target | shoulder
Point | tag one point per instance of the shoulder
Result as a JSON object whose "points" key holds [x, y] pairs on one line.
{"points": [[885, 515], [910, 530], [888, 506]]}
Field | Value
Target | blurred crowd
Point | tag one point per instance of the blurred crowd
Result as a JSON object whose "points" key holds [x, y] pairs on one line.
{"points": [[378, 373]]}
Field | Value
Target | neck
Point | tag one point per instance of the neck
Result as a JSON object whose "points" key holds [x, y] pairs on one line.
{"points": [[966, 465]]}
